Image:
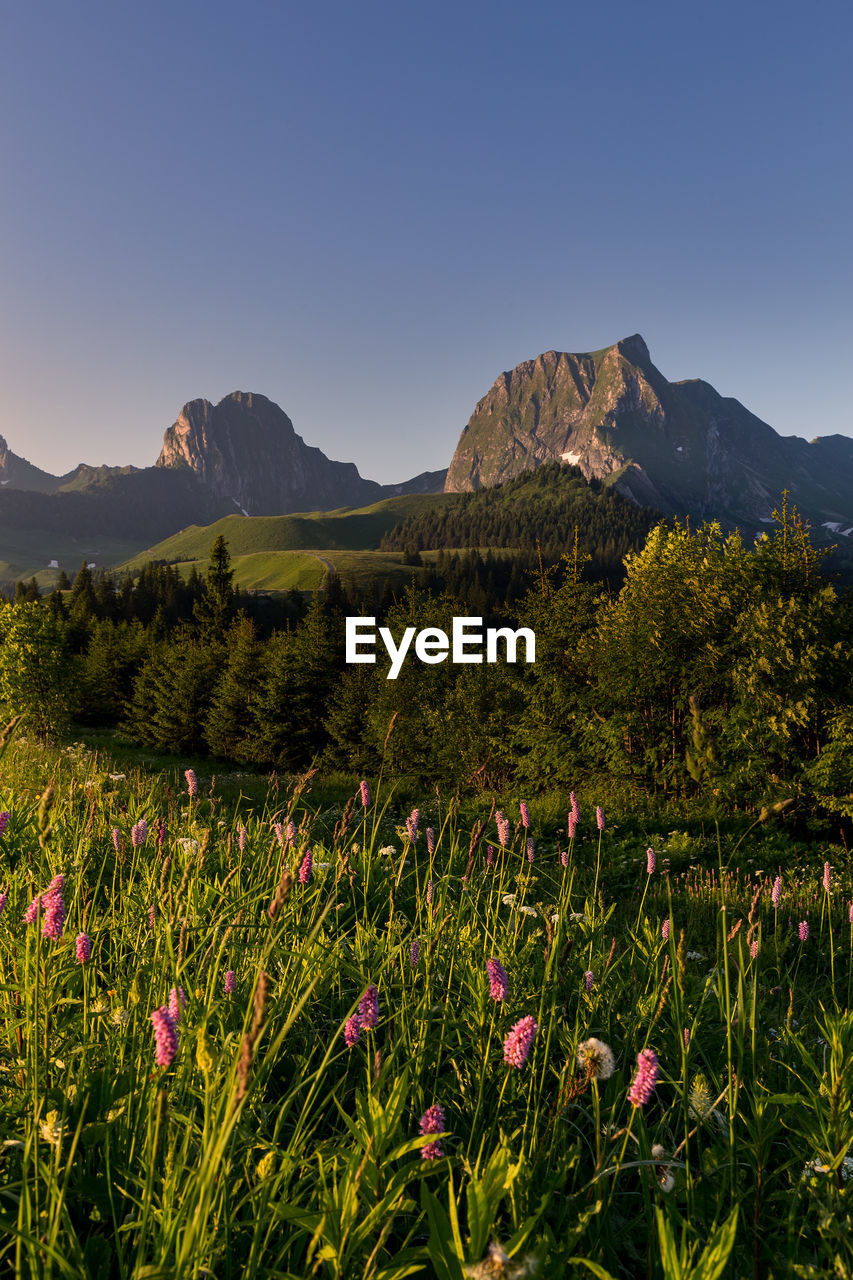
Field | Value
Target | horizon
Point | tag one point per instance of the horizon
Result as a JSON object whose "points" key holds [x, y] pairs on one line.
{"points": [[367, 217]]}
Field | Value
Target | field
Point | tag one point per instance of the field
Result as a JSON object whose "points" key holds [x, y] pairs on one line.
{"points": [[275, 1037], [350, 528]]}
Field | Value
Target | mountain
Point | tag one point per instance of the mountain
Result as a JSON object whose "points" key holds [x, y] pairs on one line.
{"points": [[246, 451], [241, 455], [678, 446]]}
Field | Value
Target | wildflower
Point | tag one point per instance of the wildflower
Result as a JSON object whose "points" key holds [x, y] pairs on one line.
{"points": [[430, 835], [365, 794], [278, 831], [527, 911], [241, 838], [368, 1008], [415, 952], [508, 899], [352, 1029], [430, 893], [664, 929], [165, 1035], [804, 930], [4, 822], [525, 814], [152, 917], [51, 1128], [161, 833], [564, 857], [192, 782], [2, 902], [700, 1101], [596, 1057], [575, 807], [432, 1121], [643, 1084], [518, 1042], [412, 824], [599, 817], [53, 905], [139, 833], [687, 1037], [83, 947], [827, 876], [290, 832], [776, 891], [498, 980], [120, 1016], [589, 980], [503, 827], [530, 855], [177, 1003], [230, 983], [850, 913], [753, 948], [664, 1174], [116, 839], [306, 867], [650, 862], [490, 856]]}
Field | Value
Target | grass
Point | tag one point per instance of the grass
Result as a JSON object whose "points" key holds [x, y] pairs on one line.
{"points": [[268, 1146], [354, 529], [26, 553]]}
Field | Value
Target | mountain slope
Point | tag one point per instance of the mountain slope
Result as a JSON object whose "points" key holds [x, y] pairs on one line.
{"points": [[680, 447], [245, 450]]}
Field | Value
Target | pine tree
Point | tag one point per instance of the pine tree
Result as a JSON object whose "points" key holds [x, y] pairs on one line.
{"points": [[227, 728]]}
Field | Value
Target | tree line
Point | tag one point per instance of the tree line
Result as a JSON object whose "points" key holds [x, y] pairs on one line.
{"points": [[715, 668]]}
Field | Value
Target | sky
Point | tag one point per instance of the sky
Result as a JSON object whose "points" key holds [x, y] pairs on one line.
{"points": [[368, 212]]}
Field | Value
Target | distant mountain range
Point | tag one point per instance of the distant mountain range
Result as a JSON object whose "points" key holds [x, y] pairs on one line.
{"points": [[679, 447]]}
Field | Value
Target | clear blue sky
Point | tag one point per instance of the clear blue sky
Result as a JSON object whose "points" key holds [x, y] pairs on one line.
{"points": [[367, 212]]}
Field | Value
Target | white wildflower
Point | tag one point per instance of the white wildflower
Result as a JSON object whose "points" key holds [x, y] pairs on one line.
{"points": [[51, 1128], [596, 1057]]}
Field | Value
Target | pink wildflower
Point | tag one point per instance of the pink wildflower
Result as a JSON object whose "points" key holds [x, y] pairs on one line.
{"points": [[432, 1121], [589, 979], [139, 833], [116, 839], [165, 1035], [412, 824], [83, 947], [4, 822], [686, 1037], [53, 906], [564, 857], [664, 929], [503, 829], [804, 930], [430, 835], [573, 822], [643, 1085], [525, 814], [2, 902], [177, 1003], [365, 794], [518, 1042], [599, 817], [573, 801], [152, 917], [290, 832], [498, 980], [192, 782], [776, 891], [230, 982], [352, 1026], [415, 952], [827, 876], [530, 849], [430, 894], [368, 1008], [650, 862], [278, 829], [753, 948], [241, 838], [306, 867]]}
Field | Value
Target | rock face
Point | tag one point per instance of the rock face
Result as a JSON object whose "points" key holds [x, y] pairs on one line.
{"points": [[245, 449], [680, 447], [17, 473]]}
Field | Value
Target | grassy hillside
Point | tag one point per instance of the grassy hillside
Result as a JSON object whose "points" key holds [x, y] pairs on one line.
{"points": [[26, 553], [284, 570], [355, 529]]}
